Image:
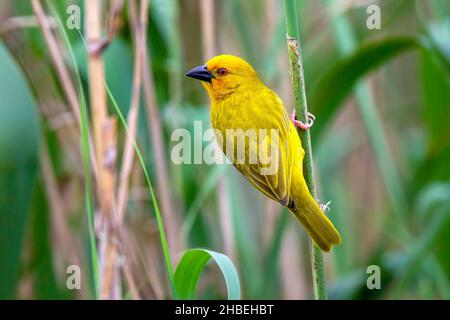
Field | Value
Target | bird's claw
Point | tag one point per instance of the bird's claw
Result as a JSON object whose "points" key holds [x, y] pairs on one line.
{"points": [[324, 207], [300, 124]]}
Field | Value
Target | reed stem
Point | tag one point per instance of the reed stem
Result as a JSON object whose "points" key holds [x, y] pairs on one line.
{"points": [[105, 146], [298, 87]]}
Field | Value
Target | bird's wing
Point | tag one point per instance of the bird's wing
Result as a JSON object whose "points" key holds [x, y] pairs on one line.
{"points": [[272, 175]]}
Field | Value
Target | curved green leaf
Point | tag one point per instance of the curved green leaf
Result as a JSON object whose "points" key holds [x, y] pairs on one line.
{"points": [[335, 85], [191, 267]]}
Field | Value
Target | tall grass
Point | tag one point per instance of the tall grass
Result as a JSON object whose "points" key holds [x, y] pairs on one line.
{"points": [[226, 266], [86, 157]]}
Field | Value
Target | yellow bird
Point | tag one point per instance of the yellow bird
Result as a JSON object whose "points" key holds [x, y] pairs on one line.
{"points": [[240, 101]]}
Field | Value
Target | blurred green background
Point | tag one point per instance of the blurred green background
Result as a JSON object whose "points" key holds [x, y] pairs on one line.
{"points": [[381, 146]]}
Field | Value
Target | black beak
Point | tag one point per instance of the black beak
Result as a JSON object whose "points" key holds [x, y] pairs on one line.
{"points": [[200, 73]]}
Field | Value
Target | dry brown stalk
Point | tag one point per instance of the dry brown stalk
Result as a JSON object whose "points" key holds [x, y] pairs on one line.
{"points": [[151, 264], [65, 243], [110, 279], [151, 286], [114, 22], [57, 58], [14, 23], [162, 174], [139, 27], [139, 32], [105, 140], [61, 69], [208, 28], [130, 280]]}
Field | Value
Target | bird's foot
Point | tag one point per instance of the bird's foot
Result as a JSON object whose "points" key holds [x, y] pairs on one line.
{"points": [[300, 124], [324, 207]]}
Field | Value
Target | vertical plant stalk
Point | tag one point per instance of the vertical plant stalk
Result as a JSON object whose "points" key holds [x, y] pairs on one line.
{"points": [[57, 58], [88, 158], [113, 23], [138, 27], [208, 28], [298, 87], [61, 70], [105, 150], [65, 243], [209, 50], [159, 218], [109, 227], [157, 138], [165, 248]]}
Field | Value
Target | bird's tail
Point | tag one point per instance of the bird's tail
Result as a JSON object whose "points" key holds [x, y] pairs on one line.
{"points": [[316, 223]]}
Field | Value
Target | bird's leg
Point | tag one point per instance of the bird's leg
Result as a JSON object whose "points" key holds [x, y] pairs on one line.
{"points": [[300, 124], [324, 207]]}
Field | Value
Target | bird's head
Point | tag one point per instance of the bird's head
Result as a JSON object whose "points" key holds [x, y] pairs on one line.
{"points": [[224, 75]]}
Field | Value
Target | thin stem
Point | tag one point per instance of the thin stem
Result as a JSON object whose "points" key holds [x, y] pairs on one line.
{"points": [[156, 133], [298, 87], [57, 59], [15, 23], [139, 32], [159, 218], [61, 70], [128, 158], [87, 158]]}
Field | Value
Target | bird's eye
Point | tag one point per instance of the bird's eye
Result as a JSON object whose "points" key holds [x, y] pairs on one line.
{"points": [[222, 72]]}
